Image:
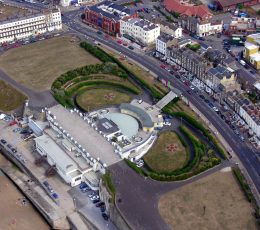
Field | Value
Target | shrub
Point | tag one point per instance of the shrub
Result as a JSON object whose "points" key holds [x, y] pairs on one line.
{"points": [[109, 184]]}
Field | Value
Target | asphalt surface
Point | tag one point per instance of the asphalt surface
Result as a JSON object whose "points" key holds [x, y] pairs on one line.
{"points": [[138, 197], [246, 155], [37, 100]]}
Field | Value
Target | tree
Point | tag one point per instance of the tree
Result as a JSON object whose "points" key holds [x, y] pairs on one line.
{"points": [[240, 6], [258, 12]]}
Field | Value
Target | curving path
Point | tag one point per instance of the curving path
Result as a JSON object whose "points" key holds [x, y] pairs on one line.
{"points": [[37, 100]]}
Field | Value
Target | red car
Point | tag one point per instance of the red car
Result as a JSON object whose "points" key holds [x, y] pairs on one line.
{"points": [[119, 42], [163, 66], [125, 44]]}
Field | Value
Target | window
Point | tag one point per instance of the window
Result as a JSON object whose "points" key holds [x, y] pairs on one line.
{"points": [[77, 179]]}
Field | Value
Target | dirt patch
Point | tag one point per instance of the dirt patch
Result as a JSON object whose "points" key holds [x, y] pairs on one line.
{"points": [[37, 65], [215, 202], [167, 154], [10, 98], [16, 211]]}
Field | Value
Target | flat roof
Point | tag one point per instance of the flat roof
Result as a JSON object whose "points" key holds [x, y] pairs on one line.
{"points": [[92, 141], [55, 152], [250, 46], [107, 126], [255, 57], [142, 23]]}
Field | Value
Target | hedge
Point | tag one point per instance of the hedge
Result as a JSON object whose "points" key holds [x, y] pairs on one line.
{"points": [[199, 126], [100, 83], [105, 57]]}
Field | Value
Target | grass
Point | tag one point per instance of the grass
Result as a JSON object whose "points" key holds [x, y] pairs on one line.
{"points": [[109, 184], [98, 98], [37, 65], [11, 12], [167, 154], [139, 72], [10, 98], [213, 202]]}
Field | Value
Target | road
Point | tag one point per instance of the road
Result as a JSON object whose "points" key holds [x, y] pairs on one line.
{"points": [[246, 155]]}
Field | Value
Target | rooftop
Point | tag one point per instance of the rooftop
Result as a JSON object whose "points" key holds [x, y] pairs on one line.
{"points": [[111, 10], [227, 3], [165, 37], [86, 136], [255, 57], [200, 11], [142, 23], [56, 153]]}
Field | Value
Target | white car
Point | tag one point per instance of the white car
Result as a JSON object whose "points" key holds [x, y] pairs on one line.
{"points": [[167, 123], [139, 165], [215, 109], [192, 87]]}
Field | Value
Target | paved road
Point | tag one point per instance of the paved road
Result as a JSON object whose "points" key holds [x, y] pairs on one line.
{"points": [[137, 197], [245, 154]]}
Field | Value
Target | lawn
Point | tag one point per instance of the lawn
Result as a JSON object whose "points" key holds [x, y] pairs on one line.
{"points": [[139, 71], [214, 202], [98, 98], [11, 12], [10, 98], [37, 65], [167, 154]]}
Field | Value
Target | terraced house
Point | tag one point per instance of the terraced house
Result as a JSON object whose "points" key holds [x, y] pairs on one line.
{"points": [[32, 25]]}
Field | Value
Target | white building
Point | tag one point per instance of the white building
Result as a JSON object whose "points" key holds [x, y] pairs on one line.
{"points": [[20, 28], [140, 29], [207, 28], [163, 42]]}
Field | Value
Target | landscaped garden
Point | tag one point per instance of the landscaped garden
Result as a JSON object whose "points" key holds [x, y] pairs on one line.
{"points": [[97, 98], [167, 154]]}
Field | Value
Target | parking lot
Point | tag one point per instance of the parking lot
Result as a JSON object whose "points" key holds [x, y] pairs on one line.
{"points": [[83, 202]]}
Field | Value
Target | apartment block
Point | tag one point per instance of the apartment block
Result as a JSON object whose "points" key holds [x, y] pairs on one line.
{"points": [[32, 25], [142, 30]]}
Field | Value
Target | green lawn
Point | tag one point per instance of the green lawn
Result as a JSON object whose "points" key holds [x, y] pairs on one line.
{"points": [[97, 98], [167, 154], [10, 98]]}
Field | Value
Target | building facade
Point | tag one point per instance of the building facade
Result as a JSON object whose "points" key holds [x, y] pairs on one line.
{"points": [[21, 28], [201, 27], [251, 50], [163, 42], [106, 16], [140, 29]]}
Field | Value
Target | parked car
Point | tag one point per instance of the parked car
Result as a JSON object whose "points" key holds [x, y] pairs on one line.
{"points": [[105, 216], [202, 96], [9, 146], [163, 66], [3, 141], [83, 185], [131, 47], [96, 201], [55, 195], [100, 204], [103, 208]]}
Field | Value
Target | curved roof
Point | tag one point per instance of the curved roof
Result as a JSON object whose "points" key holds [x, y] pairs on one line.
{"points": [[140, 114]]}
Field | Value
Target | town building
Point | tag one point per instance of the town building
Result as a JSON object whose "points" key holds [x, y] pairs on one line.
{"points": [[248, 111], [142, 30], [182, 8], [227, 5], [106, 16], [163, 42], [241, 26], [251, 50], [190, 61], [200, 27], [31, 25], [169, 28]]}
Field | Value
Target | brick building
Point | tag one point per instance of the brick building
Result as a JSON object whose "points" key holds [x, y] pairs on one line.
{"points": [[106, 16], [227, 5]]}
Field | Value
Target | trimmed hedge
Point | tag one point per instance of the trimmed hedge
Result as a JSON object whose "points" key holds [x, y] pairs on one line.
{"points": [[199, 126], [105, 57]]}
